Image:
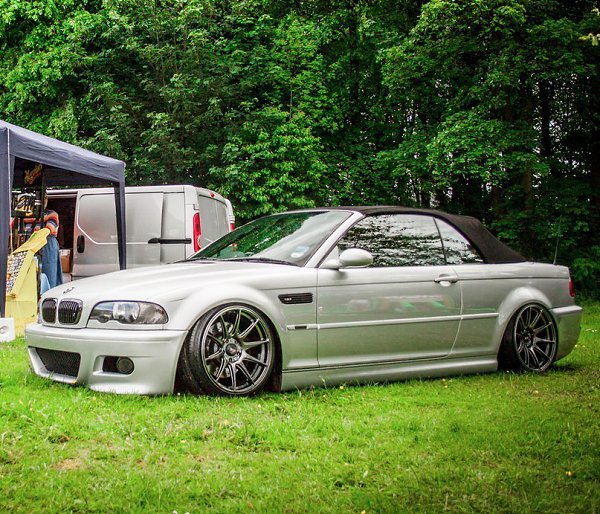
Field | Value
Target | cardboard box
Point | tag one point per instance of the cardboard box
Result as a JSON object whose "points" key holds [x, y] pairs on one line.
{"points": [[66, 260]]}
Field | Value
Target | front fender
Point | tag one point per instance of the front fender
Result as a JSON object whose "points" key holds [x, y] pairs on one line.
{"points": [[191, 308], [298, 347]]}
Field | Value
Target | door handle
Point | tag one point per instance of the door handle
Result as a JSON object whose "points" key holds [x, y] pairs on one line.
{"points": [[164, 241], [80, 244], [446, 278]]}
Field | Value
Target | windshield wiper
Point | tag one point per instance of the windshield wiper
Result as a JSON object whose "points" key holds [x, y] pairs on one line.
{"points": [[262, 259]]}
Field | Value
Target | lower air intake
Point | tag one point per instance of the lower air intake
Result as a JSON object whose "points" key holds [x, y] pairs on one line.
{"points": [[62, 363]]}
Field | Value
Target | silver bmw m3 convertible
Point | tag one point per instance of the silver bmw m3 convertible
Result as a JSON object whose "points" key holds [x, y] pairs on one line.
{"points": [[312, 297]]}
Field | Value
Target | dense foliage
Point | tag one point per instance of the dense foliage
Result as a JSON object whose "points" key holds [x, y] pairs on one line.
{"points": [[485, 107]]}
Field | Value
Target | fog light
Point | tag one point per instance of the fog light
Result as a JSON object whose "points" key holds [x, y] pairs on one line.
{"points": [[125, 365]]}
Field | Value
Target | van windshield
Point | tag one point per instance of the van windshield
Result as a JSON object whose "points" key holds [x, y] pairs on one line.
{"points": [[282, 238]]}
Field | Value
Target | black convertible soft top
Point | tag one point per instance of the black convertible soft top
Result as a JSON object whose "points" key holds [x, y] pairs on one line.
{"points": [[491, 249]]}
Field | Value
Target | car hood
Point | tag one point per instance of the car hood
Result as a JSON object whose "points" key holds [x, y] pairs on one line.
{"points": [[172, 281]]}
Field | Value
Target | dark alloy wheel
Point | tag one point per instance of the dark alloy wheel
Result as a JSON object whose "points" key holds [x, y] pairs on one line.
{"points": [[231, 351], [530, 341]]}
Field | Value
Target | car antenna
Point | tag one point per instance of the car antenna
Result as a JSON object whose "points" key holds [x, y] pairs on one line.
{"points": [[558, 236]]}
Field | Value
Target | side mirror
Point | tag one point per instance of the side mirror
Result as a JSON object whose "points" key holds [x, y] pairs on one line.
{"points": [[350, 258]]}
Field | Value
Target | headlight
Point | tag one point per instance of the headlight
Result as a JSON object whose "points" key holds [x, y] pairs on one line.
{"points": [[141, 313]]}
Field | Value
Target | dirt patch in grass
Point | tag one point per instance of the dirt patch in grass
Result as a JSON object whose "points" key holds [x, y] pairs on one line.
{"points": [[68, 464]]}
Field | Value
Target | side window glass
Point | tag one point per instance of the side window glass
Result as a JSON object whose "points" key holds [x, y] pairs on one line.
{"points": [[397, 240], [458, 249]]}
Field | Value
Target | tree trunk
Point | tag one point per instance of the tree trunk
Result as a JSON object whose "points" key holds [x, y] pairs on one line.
{"points": [[545, 114], [355, 66], [595, 174], [528, 239], [496, 196]]}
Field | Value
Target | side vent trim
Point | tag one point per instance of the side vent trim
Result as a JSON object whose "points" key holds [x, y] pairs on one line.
{"points": [[296, 298]]}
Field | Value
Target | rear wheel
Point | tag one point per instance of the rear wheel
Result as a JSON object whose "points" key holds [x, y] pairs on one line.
{"points": [[231, 351], [530, 341]]}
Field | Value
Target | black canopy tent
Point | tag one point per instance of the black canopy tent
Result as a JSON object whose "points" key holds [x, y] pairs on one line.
{"points": [[27, 158]]}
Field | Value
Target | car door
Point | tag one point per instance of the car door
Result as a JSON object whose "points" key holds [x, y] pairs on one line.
{"points": [[405, 306], [484, 287]]}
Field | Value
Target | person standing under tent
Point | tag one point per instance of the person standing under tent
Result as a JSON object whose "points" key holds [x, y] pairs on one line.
{"points": [[51, 265]]}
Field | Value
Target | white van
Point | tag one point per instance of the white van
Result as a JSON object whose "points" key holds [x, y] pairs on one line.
{"points": [[164, 224]]}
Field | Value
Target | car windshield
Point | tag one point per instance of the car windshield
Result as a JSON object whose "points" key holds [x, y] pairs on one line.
{"points": [[289, 238]]}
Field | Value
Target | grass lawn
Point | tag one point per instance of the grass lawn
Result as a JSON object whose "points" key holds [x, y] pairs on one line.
{"points": [[492, 443]]}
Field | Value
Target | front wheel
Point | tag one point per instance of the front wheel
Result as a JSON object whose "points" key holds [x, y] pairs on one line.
{"points": [[231, 351], [530, 341]]}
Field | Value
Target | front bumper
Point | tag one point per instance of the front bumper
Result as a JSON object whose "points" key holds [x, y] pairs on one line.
{"points": [[568, 321], [154, 354]]}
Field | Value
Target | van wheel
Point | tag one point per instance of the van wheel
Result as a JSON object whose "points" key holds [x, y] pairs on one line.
{"points": [[230, 351], [530, 341]]}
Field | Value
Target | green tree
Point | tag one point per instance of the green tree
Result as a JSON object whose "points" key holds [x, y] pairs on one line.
{"points": [[488, 108], [489, 89]]}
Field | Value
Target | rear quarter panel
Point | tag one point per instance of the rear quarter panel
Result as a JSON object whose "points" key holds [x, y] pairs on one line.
{"points": [[492, 293]]}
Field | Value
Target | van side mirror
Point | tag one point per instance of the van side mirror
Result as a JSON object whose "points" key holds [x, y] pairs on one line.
{"points": [[350, 258]]}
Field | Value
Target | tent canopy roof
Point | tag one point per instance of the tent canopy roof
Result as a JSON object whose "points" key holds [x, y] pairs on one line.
{"points": [[63, 163]]}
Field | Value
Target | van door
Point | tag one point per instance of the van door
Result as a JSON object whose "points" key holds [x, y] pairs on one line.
{"points": [[173, 240], [96, 248], [213, 219]]}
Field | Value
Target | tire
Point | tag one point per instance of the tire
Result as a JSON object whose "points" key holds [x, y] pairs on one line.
{"points": [[230, 352], [530, 341]]}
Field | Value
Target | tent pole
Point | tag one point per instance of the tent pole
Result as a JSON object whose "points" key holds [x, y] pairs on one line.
{"points": [[121, 225], [6, 171]]}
